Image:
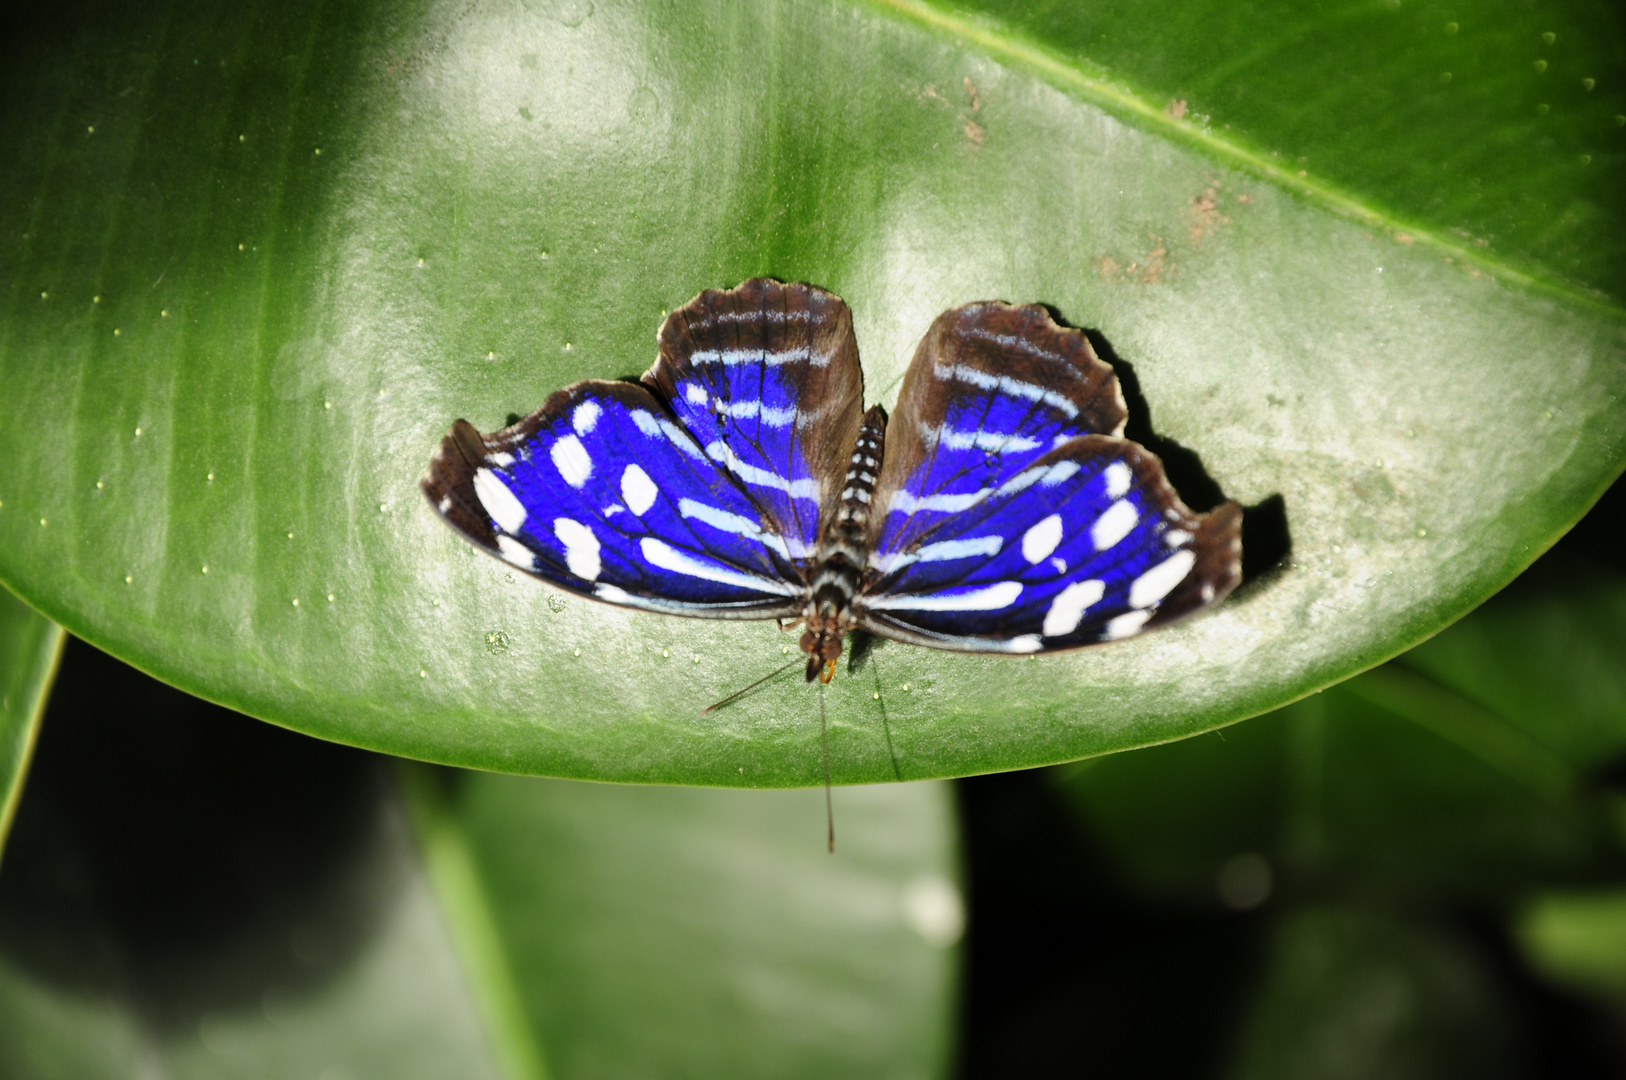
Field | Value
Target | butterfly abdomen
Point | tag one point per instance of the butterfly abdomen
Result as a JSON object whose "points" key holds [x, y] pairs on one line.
{"points": [[843, 550]]}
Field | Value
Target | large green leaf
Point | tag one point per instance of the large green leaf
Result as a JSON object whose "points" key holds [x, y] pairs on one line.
{"points": [[193, 894], [616, 931], [1499, 129], [261, 256], [29, 647]]}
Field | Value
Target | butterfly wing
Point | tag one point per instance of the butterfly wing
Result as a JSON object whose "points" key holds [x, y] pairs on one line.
{"points": [[991, 389], [1087, 544], [602, 493], [1013, 518], [765, 377]]}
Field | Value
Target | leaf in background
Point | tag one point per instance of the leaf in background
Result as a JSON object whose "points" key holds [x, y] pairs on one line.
{"points": [[198, 893], [681, 933], [1462, 768], [263, 255], [1348, 994], [1577, 938], [192, 894], [29, 646]]}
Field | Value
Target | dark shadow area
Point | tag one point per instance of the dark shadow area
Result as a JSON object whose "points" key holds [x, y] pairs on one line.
{"points": [[858, 653], [1563, 1036], [1070, 976], [1598, 536], [1266, 540], [184, 857], [1067, 976]]}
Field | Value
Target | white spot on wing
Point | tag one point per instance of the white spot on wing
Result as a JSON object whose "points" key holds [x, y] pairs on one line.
{"points": [[1006, 385], [766, 415], [515, 552], [661, 554], [694, 394], [1067, 609], [570, 458], [637, 489], [1124, 625], [1176, 538], [942, 551], [991, 441], [1060, 565], [505, 509], [1152, 586], [906, 502], [796, 489], [1118, 477], [1024, 643], [1113, 525], [499, 458], [723, 521], [585, 418], [645, 422], [1045, 476], [1039, 541], [730, 357], [581, 548], [988, 598]]}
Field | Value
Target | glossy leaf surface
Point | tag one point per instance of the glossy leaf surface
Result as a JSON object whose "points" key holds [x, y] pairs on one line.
{"points": [[264, 255]]}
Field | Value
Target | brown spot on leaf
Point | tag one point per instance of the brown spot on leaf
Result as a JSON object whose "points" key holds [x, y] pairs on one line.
{"points": [[971, 92], [1176, 109], [974, 132], [1244, 199], [1146, 271], [1405, 238], [1205, 216]]}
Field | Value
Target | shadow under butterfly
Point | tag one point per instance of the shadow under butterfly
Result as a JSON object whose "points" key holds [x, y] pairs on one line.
{"points": [[999, 509]]}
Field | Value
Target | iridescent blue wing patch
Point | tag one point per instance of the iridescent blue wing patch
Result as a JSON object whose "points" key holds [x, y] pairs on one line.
{"points": [[766, 379], [601, 492], [1011, 515], [1087, 543], [991, 389]]}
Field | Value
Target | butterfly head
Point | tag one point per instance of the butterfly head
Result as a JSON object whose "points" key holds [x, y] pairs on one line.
{"points": [[823, 648]]}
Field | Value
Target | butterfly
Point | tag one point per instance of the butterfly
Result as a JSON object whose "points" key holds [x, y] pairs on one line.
{"points": [[999, 509]]}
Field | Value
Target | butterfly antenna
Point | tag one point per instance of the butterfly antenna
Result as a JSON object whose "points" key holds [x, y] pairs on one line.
{"points": [[736, 695], [824, 745]]}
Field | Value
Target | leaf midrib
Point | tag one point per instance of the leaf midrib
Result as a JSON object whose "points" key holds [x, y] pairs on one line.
{"points": [[1099, 90]]}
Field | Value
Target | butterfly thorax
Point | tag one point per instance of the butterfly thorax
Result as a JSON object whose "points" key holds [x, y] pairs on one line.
{"points": [[838, 567]]}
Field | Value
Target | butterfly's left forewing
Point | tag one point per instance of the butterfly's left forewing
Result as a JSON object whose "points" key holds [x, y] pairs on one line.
{"points": [[765, 377], [602, 493]]}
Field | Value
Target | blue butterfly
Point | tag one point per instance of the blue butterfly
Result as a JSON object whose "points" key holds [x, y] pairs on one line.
{"points": [[999, 509]]}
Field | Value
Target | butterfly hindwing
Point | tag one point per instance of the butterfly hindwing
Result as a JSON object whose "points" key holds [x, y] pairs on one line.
{"points": [[765, 377], [1087, 543], [602, 493]]}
